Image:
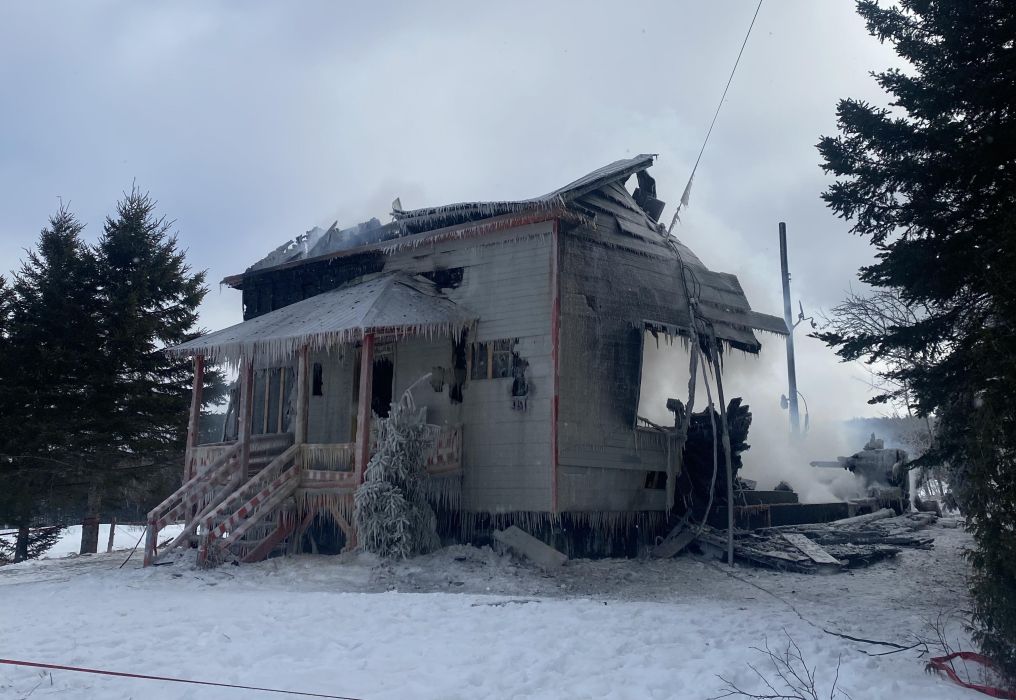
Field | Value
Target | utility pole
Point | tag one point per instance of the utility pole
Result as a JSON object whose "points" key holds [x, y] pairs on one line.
{"points": [[795, 419]]}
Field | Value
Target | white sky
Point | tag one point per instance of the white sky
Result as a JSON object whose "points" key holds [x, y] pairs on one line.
{"points": [[251, 122]]}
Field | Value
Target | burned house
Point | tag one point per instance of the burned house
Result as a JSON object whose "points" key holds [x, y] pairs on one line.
{"points": [[529, 318]]}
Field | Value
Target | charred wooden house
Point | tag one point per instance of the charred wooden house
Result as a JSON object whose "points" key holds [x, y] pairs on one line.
{"points": [[530, 318]]}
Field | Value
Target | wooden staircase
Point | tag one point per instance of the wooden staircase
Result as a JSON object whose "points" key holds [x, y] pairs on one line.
{"points": [[255, 518], [226, 512], [196, 498]]}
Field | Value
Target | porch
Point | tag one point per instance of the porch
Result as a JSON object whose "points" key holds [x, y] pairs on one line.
{"points": [[265, 485]]}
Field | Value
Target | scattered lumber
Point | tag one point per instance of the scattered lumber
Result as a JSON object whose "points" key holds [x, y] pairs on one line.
{"points": [[539, 553], [824, 547], [862, 519]]}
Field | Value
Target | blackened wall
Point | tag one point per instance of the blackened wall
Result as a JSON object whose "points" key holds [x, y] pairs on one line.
{"points": [[609, 288]]}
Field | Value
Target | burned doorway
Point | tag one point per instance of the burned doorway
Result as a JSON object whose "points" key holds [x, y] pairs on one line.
{"points": [[383, 385]]}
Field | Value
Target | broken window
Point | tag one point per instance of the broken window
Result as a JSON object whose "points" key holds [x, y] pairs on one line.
{"points": [[493, 359], [656, 481], [317, 380], [460, 362], [664, 374]]}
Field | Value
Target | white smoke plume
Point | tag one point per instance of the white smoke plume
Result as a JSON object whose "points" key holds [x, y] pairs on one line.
{"points": [[760, 380]]}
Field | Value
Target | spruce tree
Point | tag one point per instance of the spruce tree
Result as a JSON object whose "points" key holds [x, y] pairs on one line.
{"points": [[149, 298], [48, 367], [931, 181], [392, 514]]}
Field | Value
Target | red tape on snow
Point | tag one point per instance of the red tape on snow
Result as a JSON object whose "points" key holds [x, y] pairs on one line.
{"points": [[944, 664], [168, 679]]}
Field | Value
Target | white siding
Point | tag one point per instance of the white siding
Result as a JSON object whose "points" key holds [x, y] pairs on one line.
{"points": [[507, 283]]}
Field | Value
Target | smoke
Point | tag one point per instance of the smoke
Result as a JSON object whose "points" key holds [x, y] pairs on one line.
{"points": [[759, 381]]}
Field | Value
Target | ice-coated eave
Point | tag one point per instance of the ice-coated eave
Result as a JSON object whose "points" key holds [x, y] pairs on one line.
{"points": [[395, 305]]}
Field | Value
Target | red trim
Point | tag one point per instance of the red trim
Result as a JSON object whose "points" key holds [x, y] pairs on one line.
{"points": [[245, 415], [363, 412], [194, 416], [555, 339]]}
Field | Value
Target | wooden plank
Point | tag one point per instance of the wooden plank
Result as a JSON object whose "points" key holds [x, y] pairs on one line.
{"points": [[528, 546], [302, 396], [862, 519], [811, 549], [672, 545]]}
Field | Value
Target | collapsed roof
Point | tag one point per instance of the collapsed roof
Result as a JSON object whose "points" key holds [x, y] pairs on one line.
{"points": [[599, 199]]}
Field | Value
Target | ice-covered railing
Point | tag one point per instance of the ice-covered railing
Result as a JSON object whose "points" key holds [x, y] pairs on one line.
{"points": [[446, 454], [242, 509], [201, 456], [338, 456], [194, 496]]}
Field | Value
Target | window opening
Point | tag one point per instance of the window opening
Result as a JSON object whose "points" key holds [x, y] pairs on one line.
{"points": [[493, 359], [317, 380], [273, 389]]}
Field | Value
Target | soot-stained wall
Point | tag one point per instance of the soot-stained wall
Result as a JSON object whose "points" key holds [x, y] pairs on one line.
{"points": [[607, 294]]}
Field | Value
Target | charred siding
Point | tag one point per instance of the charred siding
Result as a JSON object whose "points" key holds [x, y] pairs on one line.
{"points": [[268, 291], [607, 293]]}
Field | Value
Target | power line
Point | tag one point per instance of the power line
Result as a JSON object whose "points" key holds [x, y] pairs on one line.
{"points": [[687, 188]]}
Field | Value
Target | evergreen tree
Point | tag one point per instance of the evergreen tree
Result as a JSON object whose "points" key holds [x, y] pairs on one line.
{"points": [[48, 366], [392, 513], [30, 544], [931, 181], [149, 298]]}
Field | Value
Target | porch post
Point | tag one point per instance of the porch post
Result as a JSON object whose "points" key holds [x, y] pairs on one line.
{"points": [[195, 415], [364, 413], [302, 393], [244, 414]]}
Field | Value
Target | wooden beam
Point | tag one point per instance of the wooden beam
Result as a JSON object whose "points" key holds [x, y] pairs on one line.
{"points": [[267, 374], [363, 415], [245, 414], [555, 353], [280, 419], [193, 424], [302, 395]]}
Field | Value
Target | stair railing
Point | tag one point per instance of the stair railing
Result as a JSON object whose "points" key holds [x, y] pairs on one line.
{"points": [[259, 494], [196, 493]]}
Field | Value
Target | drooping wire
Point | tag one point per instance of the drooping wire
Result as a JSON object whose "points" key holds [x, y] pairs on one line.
{"points": [[687, 188]]}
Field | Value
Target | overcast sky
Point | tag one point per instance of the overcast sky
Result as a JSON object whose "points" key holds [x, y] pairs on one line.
{"points": [[251, 122]]}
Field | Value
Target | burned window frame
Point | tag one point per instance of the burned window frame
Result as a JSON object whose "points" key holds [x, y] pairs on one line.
{"points": [[493, 359]]}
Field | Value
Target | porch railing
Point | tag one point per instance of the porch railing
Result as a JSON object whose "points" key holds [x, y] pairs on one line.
{"points": [[338, 457], [446, 457]]}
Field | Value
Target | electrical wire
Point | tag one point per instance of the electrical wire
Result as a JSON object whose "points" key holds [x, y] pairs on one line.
{"points": [[687, 188]]}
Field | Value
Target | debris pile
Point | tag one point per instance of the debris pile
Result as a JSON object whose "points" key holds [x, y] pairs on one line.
{"points": [[815, 548]]}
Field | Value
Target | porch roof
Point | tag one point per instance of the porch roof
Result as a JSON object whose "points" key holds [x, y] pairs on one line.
{"points": [[390, 305]]}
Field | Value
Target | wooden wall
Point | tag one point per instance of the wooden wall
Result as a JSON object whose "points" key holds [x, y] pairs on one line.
{"points": [[607, 293], [506, 282]]}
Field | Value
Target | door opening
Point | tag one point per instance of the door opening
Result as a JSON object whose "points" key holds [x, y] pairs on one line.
{"points": [[383, 386]]}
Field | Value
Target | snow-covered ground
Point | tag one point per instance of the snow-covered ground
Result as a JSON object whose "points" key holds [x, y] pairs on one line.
{"points": [[467, 623]]}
